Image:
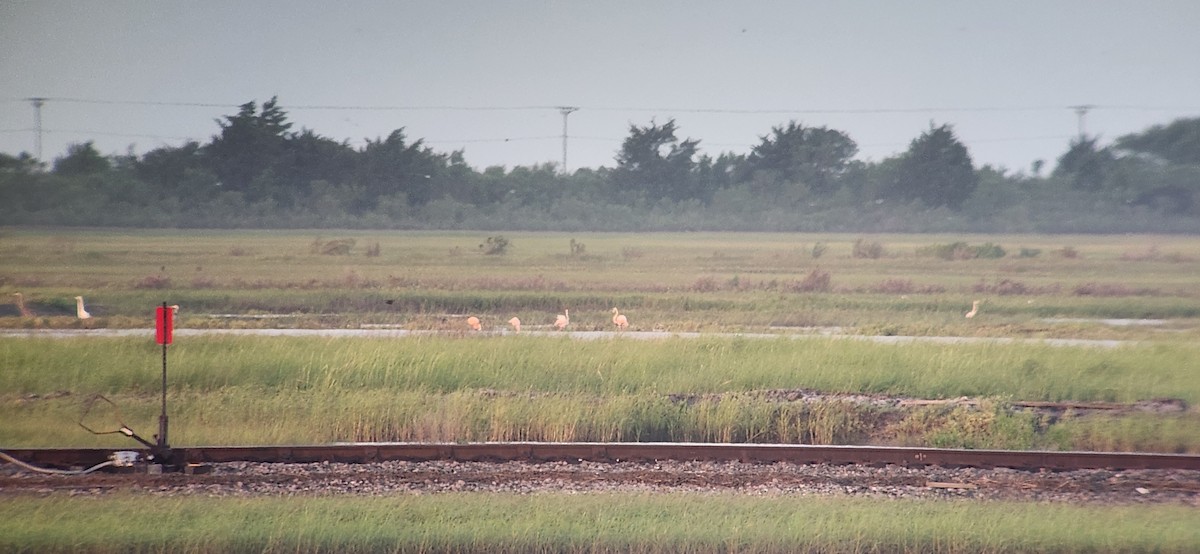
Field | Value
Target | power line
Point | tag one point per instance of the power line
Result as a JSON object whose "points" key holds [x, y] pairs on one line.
{"points": [[732, 111], [110, 134], [504, 139]]}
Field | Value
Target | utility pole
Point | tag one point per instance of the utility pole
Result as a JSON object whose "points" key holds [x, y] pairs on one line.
{"points": [[37, 122], [565, 111], [1081, 111]]}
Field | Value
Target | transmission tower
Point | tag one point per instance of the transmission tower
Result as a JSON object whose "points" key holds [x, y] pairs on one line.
{"points": [[37, 122], [1081, 111], [565, 111]]}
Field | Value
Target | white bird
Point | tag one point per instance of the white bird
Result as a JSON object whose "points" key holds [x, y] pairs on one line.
{"points": [[81, 312], [562, 320], [516, 324], [974, 309], [473, 323], [619, 320]]}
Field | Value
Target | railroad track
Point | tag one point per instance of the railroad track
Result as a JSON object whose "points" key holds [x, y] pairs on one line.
{"points": [[615, 452]]}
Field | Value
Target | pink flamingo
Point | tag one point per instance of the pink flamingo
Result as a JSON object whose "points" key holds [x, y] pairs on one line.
{"points": [[82, 312], [473, 323], [562, 320], [974, 310], [516, 324], [619, 319]]}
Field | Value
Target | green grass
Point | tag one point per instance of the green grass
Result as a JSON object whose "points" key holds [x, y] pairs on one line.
{"points": [[589, 522], [1024, 371], [242, 389], [247, 390]]}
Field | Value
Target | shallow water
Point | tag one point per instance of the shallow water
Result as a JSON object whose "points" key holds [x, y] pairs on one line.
{"points": [[580, 335]]}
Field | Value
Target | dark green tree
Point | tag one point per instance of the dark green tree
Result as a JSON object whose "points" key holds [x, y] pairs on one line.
{"points": [[178, 171], [309, 157], [251, 144], [390, 166], [653, 165], [81, 159], [813, 156], [936, 169], [1085, 165], [22, 163], [1176, 143]]}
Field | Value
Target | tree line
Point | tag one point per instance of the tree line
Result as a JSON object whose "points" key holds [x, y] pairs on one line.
{"points": [[258, 172]]}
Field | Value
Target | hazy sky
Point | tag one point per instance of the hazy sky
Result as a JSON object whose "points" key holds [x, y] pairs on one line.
{"points": [[487, 76]]}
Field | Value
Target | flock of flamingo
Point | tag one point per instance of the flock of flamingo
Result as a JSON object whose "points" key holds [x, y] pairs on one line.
{"points": [[560, 321]]}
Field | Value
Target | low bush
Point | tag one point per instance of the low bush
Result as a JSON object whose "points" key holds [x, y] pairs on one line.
{"points": [[495, 246], [868, 249], [962, 251]]}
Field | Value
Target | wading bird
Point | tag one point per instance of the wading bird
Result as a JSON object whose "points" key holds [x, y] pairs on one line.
{"points": [[562, 320], [619, 320], [516, 324], [82, 313], [473, 323], [19, 300], [974, 309]]}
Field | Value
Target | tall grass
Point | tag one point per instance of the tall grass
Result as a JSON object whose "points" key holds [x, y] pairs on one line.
{"points": [[1024, 371], [586, 522]]}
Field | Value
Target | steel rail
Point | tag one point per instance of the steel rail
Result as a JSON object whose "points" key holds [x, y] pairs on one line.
{"points": [[631, 452]]}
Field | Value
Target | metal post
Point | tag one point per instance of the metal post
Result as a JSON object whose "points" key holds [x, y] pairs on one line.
{"points": [[162, 418]]}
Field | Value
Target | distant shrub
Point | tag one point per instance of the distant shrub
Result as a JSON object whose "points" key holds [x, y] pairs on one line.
{"points": [[1068, 252], [1029, 252], [962, 251], [818, 250], [867, 249], [632, 252], [240, 251], [373, 250], [336, 247], [578, 249], [495, 246], [705, 284], [816, 281], [989, 251]]}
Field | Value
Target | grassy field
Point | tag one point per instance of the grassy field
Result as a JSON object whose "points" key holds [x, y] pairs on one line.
{"points": [[245, 390], [490, 386], [585, 523], [454, 385]]}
